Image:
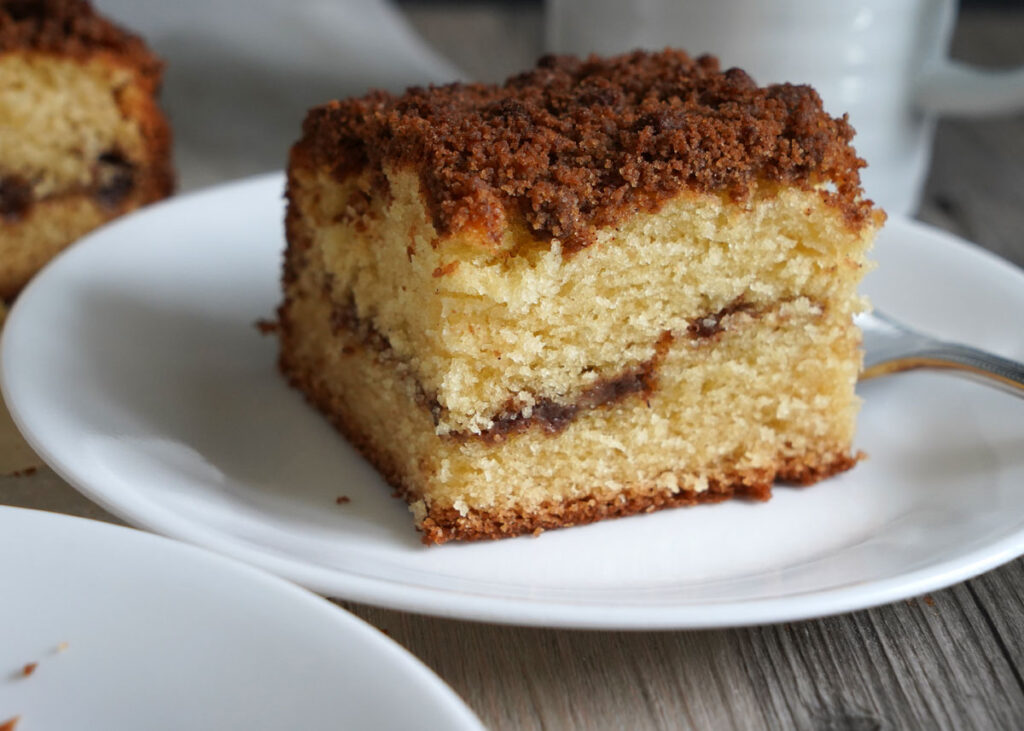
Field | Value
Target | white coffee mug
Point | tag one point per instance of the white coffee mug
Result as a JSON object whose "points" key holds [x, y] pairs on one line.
{"points": [[884, 62]]}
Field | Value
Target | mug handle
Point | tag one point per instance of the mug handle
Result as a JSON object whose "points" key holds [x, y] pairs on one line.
{"points": [[952, 87]]}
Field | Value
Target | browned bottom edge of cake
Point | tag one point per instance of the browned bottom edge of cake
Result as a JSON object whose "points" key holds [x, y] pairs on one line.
{"points": [[443, 524], [446, 524]]}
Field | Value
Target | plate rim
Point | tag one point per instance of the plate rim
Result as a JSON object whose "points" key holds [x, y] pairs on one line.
{"points": [[517, 611], [344, 621]]}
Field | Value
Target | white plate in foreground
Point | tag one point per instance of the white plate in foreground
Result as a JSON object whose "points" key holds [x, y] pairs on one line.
{"points": [[160, 635], [133, 366]]}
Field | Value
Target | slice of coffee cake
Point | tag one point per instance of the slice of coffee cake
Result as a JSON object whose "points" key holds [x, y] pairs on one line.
{"points": [[607, 287], [82, 139]]}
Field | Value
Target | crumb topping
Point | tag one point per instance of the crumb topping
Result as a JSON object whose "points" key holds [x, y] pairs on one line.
{"points": [[575, 144], [70, 27]]}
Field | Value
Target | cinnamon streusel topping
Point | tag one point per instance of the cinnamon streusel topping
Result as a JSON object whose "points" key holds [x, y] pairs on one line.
{"points": [[574, 145], [70, 27]]}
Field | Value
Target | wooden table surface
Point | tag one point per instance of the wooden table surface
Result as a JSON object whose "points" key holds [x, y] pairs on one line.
{"points": [[954, 659]]}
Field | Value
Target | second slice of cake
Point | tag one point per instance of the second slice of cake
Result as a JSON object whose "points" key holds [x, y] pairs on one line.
{"points": [[606, 287], [82, 137]]}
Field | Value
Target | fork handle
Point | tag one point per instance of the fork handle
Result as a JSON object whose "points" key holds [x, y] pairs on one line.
{"points": [[992, 370]]}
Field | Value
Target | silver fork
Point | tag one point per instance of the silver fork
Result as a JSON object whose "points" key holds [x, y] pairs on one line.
{"points": [[891, 347]]}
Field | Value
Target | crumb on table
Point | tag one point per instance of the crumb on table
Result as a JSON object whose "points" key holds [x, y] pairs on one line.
{"points": [[342, 499], [29, 668], [10, 724], [266, 327]]}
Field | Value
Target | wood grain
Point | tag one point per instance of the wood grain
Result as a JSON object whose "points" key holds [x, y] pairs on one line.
{"points": [[932, 662]]}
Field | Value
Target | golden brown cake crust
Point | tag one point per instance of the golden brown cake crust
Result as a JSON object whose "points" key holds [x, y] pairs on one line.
{"points": [[447, 524], [574, 145]]}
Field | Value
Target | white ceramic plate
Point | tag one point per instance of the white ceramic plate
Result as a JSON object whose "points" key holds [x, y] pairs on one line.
{"points": [[133, 366], [161, 635]]}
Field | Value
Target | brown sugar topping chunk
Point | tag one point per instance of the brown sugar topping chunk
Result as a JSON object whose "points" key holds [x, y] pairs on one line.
{"points": [[574, 145], [15, 197], [70, 27]]}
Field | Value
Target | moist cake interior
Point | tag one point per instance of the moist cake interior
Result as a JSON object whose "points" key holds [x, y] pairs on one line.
{"points": [[519, 369]]}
